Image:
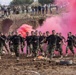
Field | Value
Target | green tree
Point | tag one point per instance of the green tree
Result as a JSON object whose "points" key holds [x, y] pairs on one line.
{"points": [[19, 2], [46, 1]]}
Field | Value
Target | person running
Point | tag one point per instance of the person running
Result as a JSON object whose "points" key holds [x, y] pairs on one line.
{"points": [[59, 45], [52, 39], [35, 44], [10, 43], [1, 44], [70, 43], [22, 43], [4, 41], [16, 43], [28, 42], [41, 43]]}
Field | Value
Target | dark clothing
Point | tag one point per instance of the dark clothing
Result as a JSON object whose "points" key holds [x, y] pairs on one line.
{"points": [[1, 40], [1, 44], [10, 43], [36, 40], [52, 39], [4, 39], [41, 38], [59, 44], [36, 9], [31, 39], [39, 8], [28, 40], [58, 41], [16, 50], [16, 39], [43, 9], [70, 44], [46, 9], [8, 10], [70, 41], [35, 44], [71, 49]]}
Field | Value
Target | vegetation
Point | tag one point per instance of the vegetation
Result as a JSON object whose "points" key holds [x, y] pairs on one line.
{"points": [[19, 2]]}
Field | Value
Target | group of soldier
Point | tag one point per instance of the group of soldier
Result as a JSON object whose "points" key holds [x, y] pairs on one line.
{"points": [[35, 42]]}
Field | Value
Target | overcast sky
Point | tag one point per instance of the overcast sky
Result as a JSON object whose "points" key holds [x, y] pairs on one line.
{"points": [[5, 2]]}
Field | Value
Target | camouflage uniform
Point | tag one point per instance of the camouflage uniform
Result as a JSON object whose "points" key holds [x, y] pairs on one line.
{"points": [[70, 44], [1, 45], [59, 45], [35, 45], [16, 42], [51, 44]]}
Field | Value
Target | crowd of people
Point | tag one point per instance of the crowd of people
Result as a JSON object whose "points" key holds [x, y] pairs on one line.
{"points": [[44, 9], [35, 42]]}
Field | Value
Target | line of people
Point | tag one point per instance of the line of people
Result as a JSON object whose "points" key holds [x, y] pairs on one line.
{"points": [[44, 9], [35, 43]]}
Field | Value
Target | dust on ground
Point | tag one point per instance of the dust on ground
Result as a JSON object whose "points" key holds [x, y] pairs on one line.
{"points": [[27, 66]]}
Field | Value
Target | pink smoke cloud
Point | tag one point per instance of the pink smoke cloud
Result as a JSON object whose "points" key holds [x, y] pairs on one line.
{"points": [[23, 29], [64, 22]]}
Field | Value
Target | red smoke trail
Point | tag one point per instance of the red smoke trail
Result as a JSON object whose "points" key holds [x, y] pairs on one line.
{"points": [[23, 29]]}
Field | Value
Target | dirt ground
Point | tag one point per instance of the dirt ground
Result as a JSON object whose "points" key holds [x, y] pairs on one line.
{"points": [[27, 66]]}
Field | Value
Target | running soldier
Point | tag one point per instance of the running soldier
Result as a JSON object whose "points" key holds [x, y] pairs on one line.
{"points": [[10, 43], [4, 42], [52, 39], [22, 43], [46, 41], [35, 43], [70, 44], [1, 44], [28, 42], [16, 42], [59, 45], [41, 39]]}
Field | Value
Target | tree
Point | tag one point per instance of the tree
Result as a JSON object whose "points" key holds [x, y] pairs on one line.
{"points": [[46, 1], [19, 2]]}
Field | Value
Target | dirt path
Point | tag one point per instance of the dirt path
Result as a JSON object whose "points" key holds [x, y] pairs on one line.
{"points": [[26, 66]]}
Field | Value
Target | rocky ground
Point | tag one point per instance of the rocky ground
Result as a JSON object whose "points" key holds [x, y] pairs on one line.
{"points": [[27, 66]]}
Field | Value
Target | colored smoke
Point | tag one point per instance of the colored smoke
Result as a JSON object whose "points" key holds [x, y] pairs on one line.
{"points": [[23, 29], [64, 22]]}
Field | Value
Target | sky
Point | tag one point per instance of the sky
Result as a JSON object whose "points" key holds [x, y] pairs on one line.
{"points": [[5, 2]]}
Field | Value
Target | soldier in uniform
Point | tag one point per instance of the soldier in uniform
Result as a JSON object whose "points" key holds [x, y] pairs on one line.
{"points": [[70, 44], [2, 43], [28, 42], [22, 43], [41, 43], [35, 43], [16, 39], [59, 45], [10, 43], [52, 39]]}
